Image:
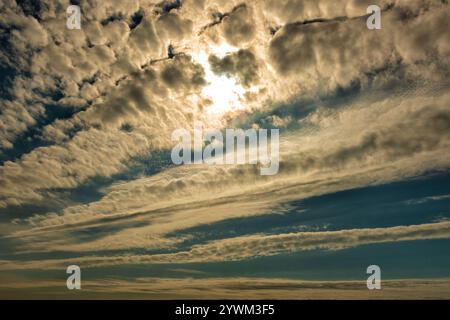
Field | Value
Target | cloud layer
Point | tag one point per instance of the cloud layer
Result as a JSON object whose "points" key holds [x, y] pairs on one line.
{"points": [[86, 118]]}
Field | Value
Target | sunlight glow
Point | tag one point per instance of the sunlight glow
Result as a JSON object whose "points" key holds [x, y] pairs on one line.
{"points": [[225, 93]]}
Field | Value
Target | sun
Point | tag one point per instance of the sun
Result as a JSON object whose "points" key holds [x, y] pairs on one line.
{"points": [[225, 92]]}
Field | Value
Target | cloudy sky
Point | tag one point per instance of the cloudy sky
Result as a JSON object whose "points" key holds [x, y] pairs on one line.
{"points": [[86, 178]]}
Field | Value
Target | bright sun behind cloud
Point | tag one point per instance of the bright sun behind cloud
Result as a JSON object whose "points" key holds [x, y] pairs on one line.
{"points": [[225, 92]]}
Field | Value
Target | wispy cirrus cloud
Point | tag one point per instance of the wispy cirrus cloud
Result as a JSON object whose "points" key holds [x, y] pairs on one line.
{"points": [[253, 246]]}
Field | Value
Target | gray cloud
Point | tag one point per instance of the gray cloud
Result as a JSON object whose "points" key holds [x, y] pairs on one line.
{"points": [[242, 64], [336, 53], [238, 26], [184, 74]]}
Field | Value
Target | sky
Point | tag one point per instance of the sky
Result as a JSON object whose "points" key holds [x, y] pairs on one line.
{"points": [[87, 179]]}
